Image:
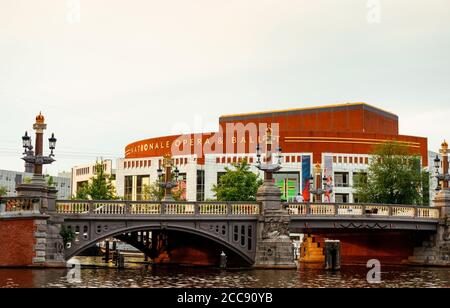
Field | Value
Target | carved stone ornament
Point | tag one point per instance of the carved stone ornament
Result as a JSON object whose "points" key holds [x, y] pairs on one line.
{"points": [[276, 228]]}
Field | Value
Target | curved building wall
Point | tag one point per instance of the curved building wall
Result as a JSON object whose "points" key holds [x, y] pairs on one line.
{"points": [[343, 134]]}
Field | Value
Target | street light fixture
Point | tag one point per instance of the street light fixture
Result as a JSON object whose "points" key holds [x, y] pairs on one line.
{"points": [[26, 140], [52, 144], [443, 177]]}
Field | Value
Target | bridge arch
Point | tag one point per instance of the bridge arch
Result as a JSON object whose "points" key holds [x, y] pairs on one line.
{"points": [[83, 245]]}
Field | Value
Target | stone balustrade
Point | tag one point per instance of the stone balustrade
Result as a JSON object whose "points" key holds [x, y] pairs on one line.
{"points": [[120, 208], [367, 210]]}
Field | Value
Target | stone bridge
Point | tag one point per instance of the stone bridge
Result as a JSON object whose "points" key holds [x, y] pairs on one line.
{"points": [[231, 225], [250, 231]]}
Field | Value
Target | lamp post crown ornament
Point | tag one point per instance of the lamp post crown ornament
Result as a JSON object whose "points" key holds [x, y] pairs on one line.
{"points": [[40, 125], [444, 147], [40, 119]]}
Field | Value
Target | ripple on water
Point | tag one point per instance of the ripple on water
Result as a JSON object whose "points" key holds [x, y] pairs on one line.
{"points": [[148, 277]]}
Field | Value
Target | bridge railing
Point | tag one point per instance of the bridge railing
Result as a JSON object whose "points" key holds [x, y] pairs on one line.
{"points": [[120, 208], [19, 205], [371, 210]]}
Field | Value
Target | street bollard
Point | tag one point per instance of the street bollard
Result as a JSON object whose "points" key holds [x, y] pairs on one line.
{"points": [[332, 255], [223, 260], [120, 260]]}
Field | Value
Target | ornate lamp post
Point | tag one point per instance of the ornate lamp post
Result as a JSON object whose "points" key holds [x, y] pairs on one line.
{"points": [[443, 177], [442, 199], [315, 183], [168, 184], [35, 160], [273, 248], [270, 166], [269, 194]]}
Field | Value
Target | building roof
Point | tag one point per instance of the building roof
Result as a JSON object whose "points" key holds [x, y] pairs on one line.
{"points": [[305, 110]]}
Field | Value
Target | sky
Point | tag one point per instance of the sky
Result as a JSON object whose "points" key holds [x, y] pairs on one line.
{"points": [[106, 73]]}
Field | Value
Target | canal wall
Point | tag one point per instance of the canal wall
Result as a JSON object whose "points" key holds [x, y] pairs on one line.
{"points": [[22, 243]]}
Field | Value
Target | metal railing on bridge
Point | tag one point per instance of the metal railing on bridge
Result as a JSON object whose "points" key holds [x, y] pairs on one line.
{"points": [[120, 208], [368, 210]]}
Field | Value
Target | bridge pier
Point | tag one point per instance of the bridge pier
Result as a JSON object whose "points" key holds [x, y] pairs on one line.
{"points": [[49, 247], [274, 248], [436, 251]]}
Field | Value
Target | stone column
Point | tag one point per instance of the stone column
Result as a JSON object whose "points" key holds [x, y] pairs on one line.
{"points": [[274, 248]]}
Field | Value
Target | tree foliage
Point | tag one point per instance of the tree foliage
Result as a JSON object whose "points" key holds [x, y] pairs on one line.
{"points": [[100, 186], [3, 191], [395, 176], [154, 192], [239, 184], [50, 180], [68, 235]]}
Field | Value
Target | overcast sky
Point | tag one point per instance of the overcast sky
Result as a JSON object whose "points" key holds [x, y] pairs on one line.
{"points": [[109, 72]]}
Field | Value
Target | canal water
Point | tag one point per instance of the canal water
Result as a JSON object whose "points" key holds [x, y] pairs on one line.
{"points": [[137, 275]]}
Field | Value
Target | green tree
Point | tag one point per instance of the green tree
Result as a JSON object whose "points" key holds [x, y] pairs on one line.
{"points": [[68, 235], [395, 176], [3, 191], [50, 180], [154, 192], [239, 184], [100, 186]]}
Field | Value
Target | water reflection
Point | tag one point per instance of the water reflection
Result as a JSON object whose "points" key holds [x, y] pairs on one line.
{"points": [[143, 276]]}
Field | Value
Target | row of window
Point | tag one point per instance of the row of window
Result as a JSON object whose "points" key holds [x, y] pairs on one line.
{"points": [[87, 170], [148, 163], [350, 160], [230, 160], [298, 159]]}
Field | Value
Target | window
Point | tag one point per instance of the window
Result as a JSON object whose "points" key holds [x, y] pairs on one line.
{"points": [[141, 183], [342, 198], [340, 159], [128, 187], [200, 185], [341, 179]]}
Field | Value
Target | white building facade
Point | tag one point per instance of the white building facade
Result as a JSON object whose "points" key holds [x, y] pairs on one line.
{"points": [[10, 179]]}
